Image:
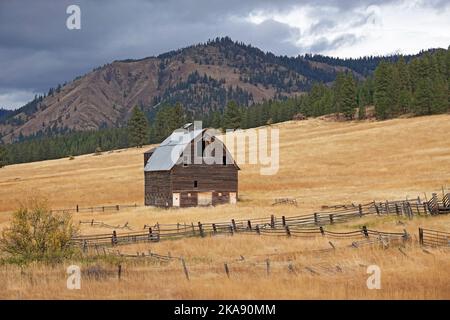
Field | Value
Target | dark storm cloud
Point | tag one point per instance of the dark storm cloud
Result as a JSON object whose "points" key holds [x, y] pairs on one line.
{"points": [[37, 51]]}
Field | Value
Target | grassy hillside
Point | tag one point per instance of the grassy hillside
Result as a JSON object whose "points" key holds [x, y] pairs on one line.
{"points": [[321, 163]]}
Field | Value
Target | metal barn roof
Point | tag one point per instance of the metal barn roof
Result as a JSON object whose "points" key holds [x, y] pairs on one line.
{"points": [[169, 151]]}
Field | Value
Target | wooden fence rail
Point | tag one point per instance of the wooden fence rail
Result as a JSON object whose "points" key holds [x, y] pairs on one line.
{"points": [[434, 238]]}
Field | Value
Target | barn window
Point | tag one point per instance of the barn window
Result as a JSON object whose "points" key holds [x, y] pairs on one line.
{"points": [[189, 194], [224, 160], [195, 184], [220, 194], [185, 161]]}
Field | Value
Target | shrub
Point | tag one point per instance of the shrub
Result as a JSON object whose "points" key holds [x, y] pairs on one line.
{"points": [[37, 234], [98, 151]]}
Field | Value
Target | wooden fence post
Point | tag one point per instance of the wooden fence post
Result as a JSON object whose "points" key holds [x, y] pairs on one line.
{"points": [[366, 233], [397, 209], [84, 246], [418, 199], [119, 271], [316, 218], [150, 235], [193, 228], [186, 272], [331, 218], [200, 228], [231, 230], [283, 221], [387, 207], [233, 223], [114, 238], [421, 236], [249, 224], [214, 228], [288, 232], [77, 209], [409, 209], [425, 207], [321, 230], [257, 229], [405, 235], [227, 271], [272, 221], [376, 208], [117, 207], [360, 210]]}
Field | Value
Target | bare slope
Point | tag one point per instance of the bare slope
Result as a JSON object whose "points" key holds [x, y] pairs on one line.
{"points": [[202, 77]]}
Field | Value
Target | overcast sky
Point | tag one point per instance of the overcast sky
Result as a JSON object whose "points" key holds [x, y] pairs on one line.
{"points": [[37, 51]]}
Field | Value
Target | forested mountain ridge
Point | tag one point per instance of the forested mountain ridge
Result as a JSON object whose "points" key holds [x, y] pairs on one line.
{"points": [[399, 87], [202, 78]]}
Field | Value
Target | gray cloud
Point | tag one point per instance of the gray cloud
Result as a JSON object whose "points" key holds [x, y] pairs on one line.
{"points": [[37, 51]]}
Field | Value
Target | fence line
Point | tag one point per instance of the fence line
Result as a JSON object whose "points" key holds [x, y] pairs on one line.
{"points": [[296, 226]]}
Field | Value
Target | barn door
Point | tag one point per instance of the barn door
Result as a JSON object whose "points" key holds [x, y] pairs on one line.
{"points": [[233, 197], [176, 199], [205, 198]]}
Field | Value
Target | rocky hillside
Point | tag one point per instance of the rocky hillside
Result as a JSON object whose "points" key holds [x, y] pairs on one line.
{"points": [[202, 77]]}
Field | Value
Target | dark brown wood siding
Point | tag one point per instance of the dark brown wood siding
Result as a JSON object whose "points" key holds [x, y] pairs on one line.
{"points": [[209, 178], [158, 190], [188, 199]]}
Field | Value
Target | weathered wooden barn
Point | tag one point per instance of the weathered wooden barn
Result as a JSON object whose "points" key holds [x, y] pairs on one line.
{"points": [[178, 173]]}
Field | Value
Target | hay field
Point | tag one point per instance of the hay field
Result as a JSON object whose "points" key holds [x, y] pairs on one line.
{"points": [[321, 163]]}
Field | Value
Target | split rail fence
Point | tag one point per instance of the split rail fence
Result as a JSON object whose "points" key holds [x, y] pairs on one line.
{"points": [[296, 226]]}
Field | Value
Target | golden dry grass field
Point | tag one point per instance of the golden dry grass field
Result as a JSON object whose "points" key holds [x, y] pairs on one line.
{"points": [[321, 163]]}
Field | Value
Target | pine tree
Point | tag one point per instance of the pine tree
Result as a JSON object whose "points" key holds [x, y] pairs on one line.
{"points": [[381, 90], [3, 156], [348, 96], [361, 112], [177, 117], [338, 90], [405, 95], [232, 116], [138, 128], [439, 86], [216, 121], [423, 90]]}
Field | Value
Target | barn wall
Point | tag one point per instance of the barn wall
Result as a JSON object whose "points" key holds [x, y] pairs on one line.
{"points": [[158, 191], [209, 178], [188, 199], [220, 198]]}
